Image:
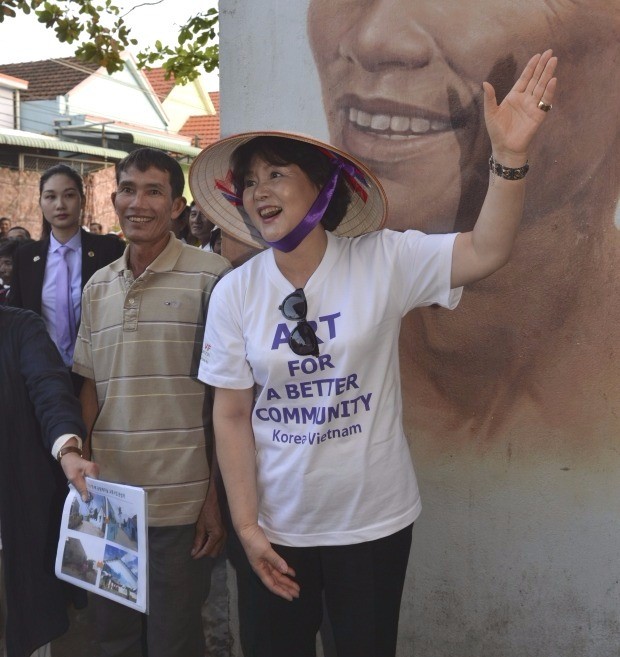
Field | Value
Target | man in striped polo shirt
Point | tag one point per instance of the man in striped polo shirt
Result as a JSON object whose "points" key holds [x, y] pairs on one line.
{"points": [[138, 348]]}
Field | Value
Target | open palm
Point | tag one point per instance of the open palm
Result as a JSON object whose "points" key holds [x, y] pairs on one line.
{"points": [[513, 123]]}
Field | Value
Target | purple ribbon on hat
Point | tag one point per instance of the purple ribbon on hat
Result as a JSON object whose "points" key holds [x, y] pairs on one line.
{"points": [[316, 212]]}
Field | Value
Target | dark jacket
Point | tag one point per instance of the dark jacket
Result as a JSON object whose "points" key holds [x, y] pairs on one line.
{"points": [[37, 405], [29, 266]]}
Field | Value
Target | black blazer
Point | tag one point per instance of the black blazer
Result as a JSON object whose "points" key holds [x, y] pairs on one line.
{"points": [[29, 266], [36, 407]]}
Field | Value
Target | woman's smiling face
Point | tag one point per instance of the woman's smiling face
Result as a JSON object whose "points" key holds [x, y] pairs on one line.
{"points": [[276, 197], [402, 80]]}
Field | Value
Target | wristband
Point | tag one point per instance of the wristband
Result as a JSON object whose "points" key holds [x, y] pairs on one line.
{"points": [[70, 449], [506, 172]]}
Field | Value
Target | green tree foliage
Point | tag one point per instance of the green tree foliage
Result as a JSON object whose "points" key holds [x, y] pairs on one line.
{"points": [[100, 33]]}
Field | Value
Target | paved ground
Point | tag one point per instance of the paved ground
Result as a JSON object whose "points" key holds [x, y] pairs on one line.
{"points": [[88, 528]]}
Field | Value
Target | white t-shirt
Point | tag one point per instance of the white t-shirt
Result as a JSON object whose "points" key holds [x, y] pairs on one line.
{"points": [[333, 464]]}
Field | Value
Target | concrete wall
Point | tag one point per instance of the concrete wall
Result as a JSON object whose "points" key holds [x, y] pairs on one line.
{"points": [[512, 402]]}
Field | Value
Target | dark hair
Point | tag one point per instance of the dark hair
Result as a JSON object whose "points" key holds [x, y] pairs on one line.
{"points": [[20, 228], [180, 227], [281, 151], [65, 170], [58, 169], [8, 247], [216, 236], [204, 214], [145, 158]]}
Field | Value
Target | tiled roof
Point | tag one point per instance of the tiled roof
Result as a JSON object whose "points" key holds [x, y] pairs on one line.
{"points": [[49, 78], [157, 78], [205, 128], [215, 99], [202, 129]]}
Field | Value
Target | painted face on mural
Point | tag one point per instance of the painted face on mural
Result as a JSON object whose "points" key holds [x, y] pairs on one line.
{"points": [[401, 84]]}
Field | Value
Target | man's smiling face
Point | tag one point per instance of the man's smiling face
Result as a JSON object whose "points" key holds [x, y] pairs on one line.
{"points": [[144, 205]]}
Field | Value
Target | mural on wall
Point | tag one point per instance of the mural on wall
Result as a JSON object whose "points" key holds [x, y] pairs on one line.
{"points": [[512, 402]]}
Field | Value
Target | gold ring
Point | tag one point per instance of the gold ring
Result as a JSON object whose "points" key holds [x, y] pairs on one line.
{"points": [[543, 106]]}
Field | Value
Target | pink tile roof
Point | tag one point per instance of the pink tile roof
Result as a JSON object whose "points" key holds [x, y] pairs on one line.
{"points": [[202, 129], [157, 78], [205, 128], [215, 99]]}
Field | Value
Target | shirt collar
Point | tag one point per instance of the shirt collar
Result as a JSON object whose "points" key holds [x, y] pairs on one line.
{"points": [[165, 261], [74, 243]]}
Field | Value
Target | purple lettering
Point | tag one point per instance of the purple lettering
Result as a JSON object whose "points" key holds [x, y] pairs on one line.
{"points": [[272, 394], [306, 388], [291, 391], [352, 381], [331, 323], [281, 336]]}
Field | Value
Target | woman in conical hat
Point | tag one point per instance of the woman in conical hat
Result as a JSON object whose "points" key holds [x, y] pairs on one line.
{"points": [[301, 348]]}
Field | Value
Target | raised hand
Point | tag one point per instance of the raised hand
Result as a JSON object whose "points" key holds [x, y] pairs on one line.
{"points": [[513, 123]]}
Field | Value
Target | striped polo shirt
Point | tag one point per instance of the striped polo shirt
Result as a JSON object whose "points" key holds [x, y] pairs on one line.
{"points": [[140, 341]]}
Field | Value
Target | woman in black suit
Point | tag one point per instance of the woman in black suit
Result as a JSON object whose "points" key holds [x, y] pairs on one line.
{"points": [[36, 409], [36, 283]]}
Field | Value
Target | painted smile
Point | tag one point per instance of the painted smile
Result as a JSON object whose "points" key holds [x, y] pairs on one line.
{"points": [[392, 126], [383, 131]]}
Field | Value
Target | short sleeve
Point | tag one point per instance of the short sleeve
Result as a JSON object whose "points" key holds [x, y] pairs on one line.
{"points": [[422, 268], [82, 355], [223, 361]]}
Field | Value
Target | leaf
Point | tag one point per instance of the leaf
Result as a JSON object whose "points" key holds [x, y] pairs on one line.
{"points": [[80, 20]]}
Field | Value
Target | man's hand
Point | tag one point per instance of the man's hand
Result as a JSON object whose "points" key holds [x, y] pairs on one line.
{"points": [[210, 536], [76, 468]]}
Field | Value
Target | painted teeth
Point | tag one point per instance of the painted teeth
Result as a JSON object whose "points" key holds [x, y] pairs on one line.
{"points": [[396, 127]]}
